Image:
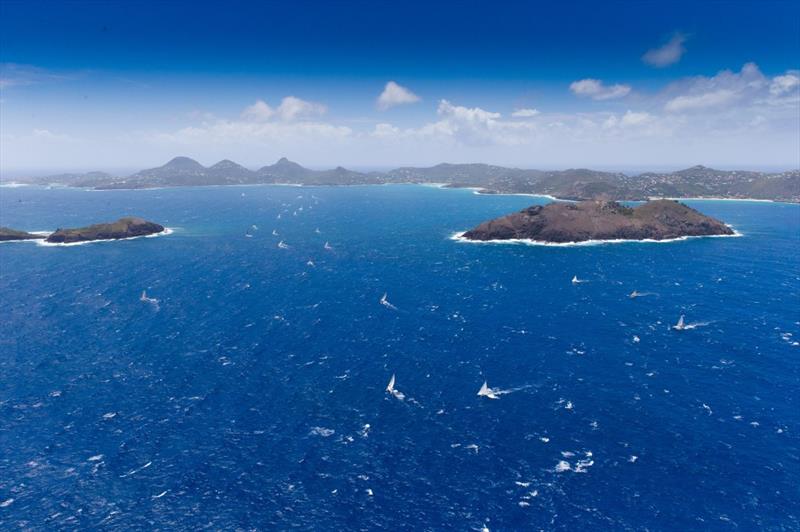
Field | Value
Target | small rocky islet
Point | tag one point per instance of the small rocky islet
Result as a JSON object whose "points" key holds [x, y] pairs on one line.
{"points": [[128, 227], [560, 223]]}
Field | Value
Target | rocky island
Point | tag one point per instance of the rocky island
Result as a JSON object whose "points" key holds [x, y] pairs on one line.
{"points": [[599, 220], [123, 228], [7, 234]]}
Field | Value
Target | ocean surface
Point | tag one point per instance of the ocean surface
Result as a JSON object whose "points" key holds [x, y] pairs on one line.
{"points": [[252, 394]]}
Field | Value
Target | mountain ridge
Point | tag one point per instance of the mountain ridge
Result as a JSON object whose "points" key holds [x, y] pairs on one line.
{"points": [[572, 183]]}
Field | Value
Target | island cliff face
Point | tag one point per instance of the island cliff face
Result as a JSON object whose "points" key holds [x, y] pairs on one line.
{"points": [[6, 234], [122, 228], [600, 220]]}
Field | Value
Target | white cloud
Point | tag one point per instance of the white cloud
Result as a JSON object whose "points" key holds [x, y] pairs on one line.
{"points": [[783, 84], [472, 115], [724, 90], [701, 101], [667, 54], [525, 113], [258, 112], [394, 94], [384, 130], [735, 117], [291, 108], [597, 90]]}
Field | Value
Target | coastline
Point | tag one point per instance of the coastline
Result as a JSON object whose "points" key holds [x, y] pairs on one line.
{"points": [[459, 237], [483, 191], [710, 198], [44, 243], [166, 232]]}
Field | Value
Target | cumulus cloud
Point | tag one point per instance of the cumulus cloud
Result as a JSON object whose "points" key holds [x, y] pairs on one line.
{"points": [[292, 123], [722, 90], [394, 94], [667, 54], [783, 84], [258, 112], [525, 113], [471, 125], [597, 90], [735, 116], [291, 108]]}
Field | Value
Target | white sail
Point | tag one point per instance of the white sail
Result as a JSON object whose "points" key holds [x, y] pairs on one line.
{"points": [[385, 301], [145, 299], [328, 246], [680, 325], [274, 232], [283, 245], [487, 392], [634, 294], [390, 386]]}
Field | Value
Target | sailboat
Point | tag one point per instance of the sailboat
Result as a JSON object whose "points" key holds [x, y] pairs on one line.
{"points": [[487, 392], [328, 246], [680, 325], [385, 301], [390, 389], [144, 299], [575, 280], [634, 294], [283, 245], [274, 232]]}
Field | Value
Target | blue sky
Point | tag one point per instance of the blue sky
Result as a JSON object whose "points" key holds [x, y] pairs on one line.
{"points": [[123, 85]]}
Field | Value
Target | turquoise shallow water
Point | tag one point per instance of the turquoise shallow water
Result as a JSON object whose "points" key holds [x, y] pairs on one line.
{"points": [[253, 396]]}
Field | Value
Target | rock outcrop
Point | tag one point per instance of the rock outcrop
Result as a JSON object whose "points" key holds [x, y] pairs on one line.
{"points": [[600, 220], [122, 228]]}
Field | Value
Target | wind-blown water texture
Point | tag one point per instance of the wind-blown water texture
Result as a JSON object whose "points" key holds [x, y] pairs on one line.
{"points": [[253, 394]]}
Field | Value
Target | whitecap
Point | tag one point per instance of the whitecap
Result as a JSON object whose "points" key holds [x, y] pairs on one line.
{"points": [[562, 466], [321, 431]]}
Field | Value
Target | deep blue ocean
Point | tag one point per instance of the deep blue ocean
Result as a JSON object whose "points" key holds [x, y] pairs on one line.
{"points": [[253, 395]]}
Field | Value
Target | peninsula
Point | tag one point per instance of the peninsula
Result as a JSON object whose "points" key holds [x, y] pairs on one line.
{"points": [[599, 220]]}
